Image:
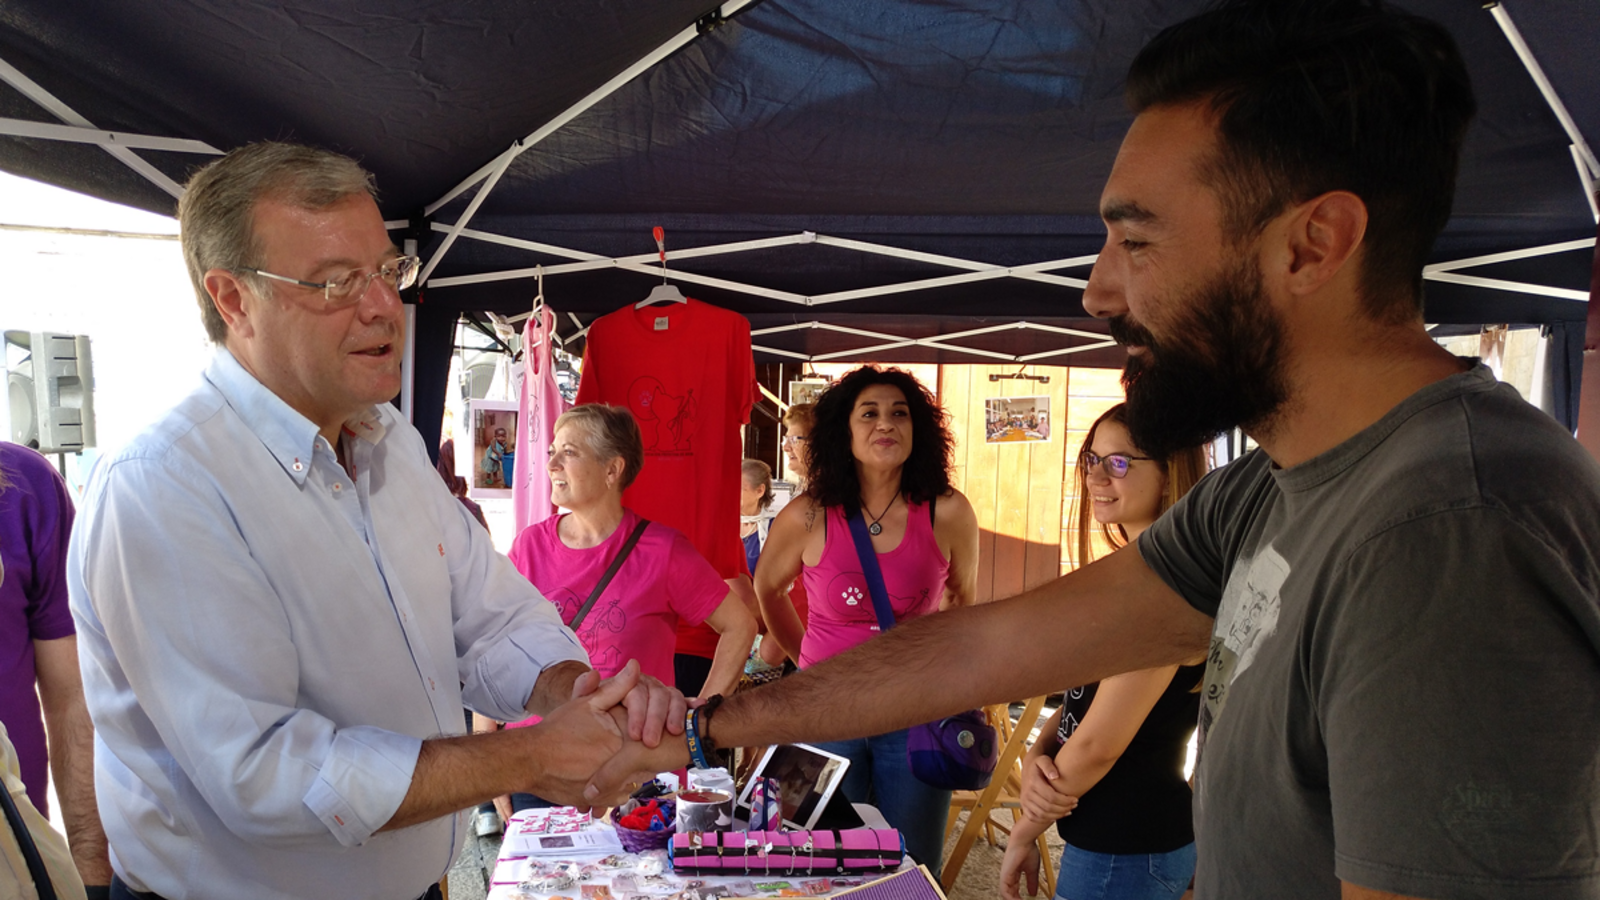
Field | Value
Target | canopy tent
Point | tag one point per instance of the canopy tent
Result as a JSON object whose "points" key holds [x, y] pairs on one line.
{"points": [[904, 180]]}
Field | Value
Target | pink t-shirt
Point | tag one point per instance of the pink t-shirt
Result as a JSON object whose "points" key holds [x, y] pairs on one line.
{"points": [[841, 614], [663, 580]]}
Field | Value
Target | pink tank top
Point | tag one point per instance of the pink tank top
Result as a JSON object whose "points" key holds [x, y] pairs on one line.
{"points": [[841, 614]]}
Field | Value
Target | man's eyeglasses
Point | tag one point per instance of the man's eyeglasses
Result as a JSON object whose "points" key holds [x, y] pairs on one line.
{"points": [[348, 289], [1116, 464]]}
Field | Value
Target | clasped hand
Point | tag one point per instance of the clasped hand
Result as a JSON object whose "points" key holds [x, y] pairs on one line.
{"points": [[602, 723]]}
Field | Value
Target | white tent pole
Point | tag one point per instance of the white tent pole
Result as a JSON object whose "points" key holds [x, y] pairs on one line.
{"points": [[943, 281], [1508, 256], [776, 352], [1588, 181], [472, 209], [77, 134], [582, 328], [672, 45], [67, 114], [1502, 17], [876, 348], [1091, 335], [798, 326], [1079, 349], [1502, 285], [1030, 271]]}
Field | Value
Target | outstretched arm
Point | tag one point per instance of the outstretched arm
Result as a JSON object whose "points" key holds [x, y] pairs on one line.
{"points": [[1110, 617]]}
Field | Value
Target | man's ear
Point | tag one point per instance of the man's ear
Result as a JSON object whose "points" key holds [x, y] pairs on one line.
{"points": [[1323, 236], [227, 292]]}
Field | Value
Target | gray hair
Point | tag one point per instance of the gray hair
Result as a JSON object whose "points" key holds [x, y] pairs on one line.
{"points": [[216, 216], [610, 432], [760, 474]]}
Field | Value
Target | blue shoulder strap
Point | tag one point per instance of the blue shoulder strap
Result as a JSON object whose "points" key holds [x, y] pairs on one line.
{"points": [[869, 568]]}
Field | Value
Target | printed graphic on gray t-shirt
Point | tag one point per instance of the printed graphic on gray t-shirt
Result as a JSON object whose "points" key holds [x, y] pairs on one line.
{"points": [[1247, 615]]}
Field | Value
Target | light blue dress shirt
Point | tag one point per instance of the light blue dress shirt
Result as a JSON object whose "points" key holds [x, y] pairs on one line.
{"points": [[266, 640]]}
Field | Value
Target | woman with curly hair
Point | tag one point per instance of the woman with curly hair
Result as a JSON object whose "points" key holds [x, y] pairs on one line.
{"points": [[879, 448]]}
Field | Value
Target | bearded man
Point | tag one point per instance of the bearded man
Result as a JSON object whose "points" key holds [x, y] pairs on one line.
{"points": [[1398, 590]]}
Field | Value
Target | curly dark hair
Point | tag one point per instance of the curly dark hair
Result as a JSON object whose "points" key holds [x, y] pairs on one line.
{"points": [[833, 466]]}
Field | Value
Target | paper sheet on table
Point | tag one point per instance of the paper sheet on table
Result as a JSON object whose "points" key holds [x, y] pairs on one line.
{"points": [[593, 841]]}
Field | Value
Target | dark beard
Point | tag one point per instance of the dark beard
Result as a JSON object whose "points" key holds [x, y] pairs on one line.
{"points": [[1223, 370]]}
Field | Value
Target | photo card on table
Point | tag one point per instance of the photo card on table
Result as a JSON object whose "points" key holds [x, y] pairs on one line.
{"points": [[806, 777]]}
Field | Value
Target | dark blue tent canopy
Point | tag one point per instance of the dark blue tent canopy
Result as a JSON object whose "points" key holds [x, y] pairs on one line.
{"points": [[919, 140]]}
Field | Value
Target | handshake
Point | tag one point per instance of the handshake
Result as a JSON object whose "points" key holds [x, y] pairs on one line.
{"points": [[614, 734]]}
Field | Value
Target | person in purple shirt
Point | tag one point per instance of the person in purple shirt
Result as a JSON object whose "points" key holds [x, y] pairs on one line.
{"points": [[39, 653]]}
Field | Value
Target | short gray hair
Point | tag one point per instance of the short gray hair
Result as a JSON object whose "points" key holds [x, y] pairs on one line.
{"points": [[611, 432], [216, 216]]}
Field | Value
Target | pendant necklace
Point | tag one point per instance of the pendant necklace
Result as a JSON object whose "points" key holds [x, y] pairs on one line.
{"points": [[875, 529]]}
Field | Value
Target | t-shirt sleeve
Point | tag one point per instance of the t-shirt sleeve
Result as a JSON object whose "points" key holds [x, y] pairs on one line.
{"points": [[1183, 550], [1456, 773], [696, 588], [45, 507]]}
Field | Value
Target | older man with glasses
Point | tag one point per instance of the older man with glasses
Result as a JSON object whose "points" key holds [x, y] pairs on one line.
{"points": [[281, 609]]}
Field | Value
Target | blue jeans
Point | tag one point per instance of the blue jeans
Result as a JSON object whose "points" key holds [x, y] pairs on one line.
{"points": [[1124, 876], [880, 775]]}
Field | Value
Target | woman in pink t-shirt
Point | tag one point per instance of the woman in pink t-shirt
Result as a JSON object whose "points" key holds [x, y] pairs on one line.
{"points": [[879, 444], [596, 454]]}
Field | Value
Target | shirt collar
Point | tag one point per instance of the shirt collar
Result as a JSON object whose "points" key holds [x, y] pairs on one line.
{"points": [[289, 436]]}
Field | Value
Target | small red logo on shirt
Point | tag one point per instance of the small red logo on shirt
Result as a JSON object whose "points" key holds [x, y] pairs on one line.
{"points": [[441, 549]]}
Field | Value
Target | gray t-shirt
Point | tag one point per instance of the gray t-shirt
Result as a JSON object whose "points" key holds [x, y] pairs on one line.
{"points": [[1403, 689]]}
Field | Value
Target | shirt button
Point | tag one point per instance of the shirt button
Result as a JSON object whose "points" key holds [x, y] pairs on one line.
{"points": [[337, 487], [297, 466]]}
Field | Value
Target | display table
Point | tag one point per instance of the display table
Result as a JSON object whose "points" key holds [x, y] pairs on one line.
{"points": [[609, 873]]}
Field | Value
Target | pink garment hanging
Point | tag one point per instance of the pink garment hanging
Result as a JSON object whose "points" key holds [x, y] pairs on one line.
{"points": [[539, 403]]}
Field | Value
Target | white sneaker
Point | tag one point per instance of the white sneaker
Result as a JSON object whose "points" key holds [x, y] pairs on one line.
{"points": [[486, 823]]}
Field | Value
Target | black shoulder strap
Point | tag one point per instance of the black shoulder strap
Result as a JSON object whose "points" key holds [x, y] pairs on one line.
{"points": [[30, 852], [610, 573]]}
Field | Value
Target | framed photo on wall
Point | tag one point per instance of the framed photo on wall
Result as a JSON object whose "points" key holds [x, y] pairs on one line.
{"points": [[494, 448], [1008, 420], [806, 391]]}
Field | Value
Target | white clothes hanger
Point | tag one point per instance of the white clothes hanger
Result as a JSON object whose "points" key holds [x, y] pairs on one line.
{"points": [[663, 292], [538, 302]]}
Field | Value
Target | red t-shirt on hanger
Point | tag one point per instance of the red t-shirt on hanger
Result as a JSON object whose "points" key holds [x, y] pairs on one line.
{"points": [[686, 373]]}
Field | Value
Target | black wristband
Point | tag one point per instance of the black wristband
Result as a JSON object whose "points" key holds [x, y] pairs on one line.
{"points": [[706, 710]]}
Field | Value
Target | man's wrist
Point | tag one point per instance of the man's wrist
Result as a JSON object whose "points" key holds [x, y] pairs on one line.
{"points": [[554, 686]]}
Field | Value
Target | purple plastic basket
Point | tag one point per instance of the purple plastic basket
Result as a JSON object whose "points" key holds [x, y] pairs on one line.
{"points": [[635, 841]]}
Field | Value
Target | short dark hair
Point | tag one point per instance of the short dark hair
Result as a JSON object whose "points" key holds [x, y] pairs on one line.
{"points": [[833, 480], [1321, 95]]}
